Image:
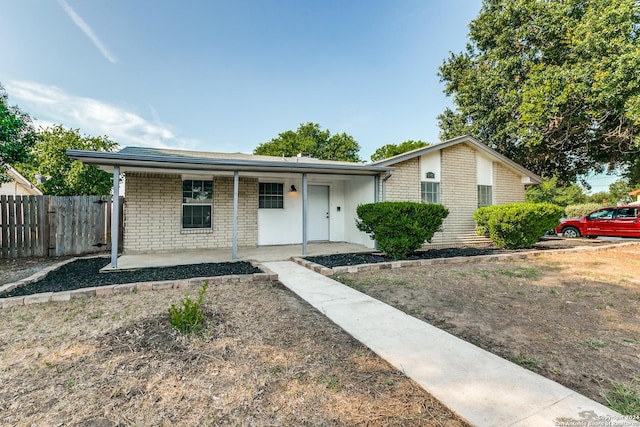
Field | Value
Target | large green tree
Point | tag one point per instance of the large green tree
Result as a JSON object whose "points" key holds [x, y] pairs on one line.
{"points": [[551, 192], [310, 139], [619, 192], [390, 150], [17, 134], [62, 175], [554, 85]]}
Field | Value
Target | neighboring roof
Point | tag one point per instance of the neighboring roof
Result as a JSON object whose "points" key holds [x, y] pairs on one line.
{"points": [[134, 158], [17, 177], [634, 192], [466, 139]]}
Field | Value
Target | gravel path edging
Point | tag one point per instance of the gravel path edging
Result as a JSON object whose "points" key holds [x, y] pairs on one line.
{"points": [[326, 271], [107, 290]]}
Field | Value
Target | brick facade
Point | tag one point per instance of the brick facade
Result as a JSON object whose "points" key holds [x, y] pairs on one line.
{"points": [[458, 190], [153, 214], [507, 186], [404, 185], [459, 193]]}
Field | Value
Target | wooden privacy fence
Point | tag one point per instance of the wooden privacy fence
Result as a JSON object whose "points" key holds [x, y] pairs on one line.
{"points": [[56, 225]]}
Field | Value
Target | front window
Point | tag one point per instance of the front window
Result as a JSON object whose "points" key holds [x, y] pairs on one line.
{"points": [[197, 200], [430, 192], [601, 214], [270, 195], [485, 195], [627, 213]]}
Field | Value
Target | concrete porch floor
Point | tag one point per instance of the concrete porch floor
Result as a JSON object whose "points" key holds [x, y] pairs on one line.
{"points": [[260, 254]]}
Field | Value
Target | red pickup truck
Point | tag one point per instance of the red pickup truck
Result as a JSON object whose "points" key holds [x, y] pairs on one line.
{"points": [[620, 221]]}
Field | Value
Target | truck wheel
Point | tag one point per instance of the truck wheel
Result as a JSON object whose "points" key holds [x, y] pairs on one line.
{"points": [[570, 232]]}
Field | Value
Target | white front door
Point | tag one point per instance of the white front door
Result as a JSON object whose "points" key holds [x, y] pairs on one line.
{"points": [[318, 225]]}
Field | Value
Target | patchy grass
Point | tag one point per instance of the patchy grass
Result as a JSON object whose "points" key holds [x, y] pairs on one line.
{"points": [[572, 317], [530, 362], [263, 357], [625, 398]]}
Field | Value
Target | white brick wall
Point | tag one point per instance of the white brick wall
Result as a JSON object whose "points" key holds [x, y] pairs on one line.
{"points": [[404, 185], [458, 190], [507, 185], [459, 194], [153, 214]]}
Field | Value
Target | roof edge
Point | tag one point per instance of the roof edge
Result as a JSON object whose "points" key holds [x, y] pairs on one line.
{"points": [[111, 159], [19, 178], [536, 179]]}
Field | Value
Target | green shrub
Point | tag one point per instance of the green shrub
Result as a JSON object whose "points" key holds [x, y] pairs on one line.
{"points": [[517, 225], [400, 227], [187, 318], [576, 211]]}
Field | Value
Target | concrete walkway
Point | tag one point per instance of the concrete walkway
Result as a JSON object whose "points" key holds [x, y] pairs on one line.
{"points": [[484, 389]]}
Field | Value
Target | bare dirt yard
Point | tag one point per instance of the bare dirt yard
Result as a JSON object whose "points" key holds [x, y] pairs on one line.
{"points": [[264, 358], [572, 317]]}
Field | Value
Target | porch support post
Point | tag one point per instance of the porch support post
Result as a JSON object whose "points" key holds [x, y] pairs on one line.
{"points": [[234, 239], [305, 209], [376, 188], [115, 217], [376, 199]]}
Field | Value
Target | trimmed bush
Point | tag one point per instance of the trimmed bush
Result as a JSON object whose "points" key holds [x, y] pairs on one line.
{"points": [[400, 227], [576, 211], [517, 225]]}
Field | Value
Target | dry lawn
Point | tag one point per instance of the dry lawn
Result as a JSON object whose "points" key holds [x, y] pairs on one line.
{"points": [[573, 318], [265, 358]]}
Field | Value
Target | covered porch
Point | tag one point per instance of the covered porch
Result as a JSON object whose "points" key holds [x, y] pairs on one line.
{"points": [[258, 254], [309, 201]]}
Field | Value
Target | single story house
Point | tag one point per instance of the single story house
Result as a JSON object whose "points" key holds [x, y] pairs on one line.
{"points": [[462, 174], [18, 185], [180, 200]]}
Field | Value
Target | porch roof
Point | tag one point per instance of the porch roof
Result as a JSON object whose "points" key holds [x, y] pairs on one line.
{"points": [[139, 158]]}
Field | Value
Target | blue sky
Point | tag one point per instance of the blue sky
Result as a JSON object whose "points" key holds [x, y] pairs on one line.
{"points": [[229, 75]]}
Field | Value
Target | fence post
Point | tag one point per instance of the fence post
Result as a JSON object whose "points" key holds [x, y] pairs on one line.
{"points": [[5, 227], [47, 226], [33, 225], [19, 226], [12, 226]]}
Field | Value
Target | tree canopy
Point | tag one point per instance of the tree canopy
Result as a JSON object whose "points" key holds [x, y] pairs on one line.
{"points": [[390, 150], [62, 175], [551, 192], [310, 139], [554, 85], [17, 134]]}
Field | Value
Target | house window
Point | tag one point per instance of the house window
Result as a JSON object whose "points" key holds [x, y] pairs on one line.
{"points": [[430, 192], [485, 195], [197, 200], [271, 195]]}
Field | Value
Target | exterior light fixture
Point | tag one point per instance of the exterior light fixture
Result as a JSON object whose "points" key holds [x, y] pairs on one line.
{"points": [[293, 188]]}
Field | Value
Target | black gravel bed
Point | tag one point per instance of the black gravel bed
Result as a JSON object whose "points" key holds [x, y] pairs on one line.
{"points": [[84, 273], [339, 260]]}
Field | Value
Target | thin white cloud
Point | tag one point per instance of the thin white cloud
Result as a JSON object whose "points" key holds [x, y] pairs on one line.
{"points": [[87, 30], [50, 104]]}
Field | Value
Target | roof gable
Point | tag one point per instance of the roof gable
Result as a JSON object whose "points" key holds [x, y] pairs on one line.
{"points": [[466, 139], [24, 182]]}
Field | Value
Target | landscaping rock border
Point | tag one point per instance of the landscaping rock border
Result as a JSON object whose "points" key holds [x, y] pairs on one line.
{"points": [[107, 290], [326, 271]]}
